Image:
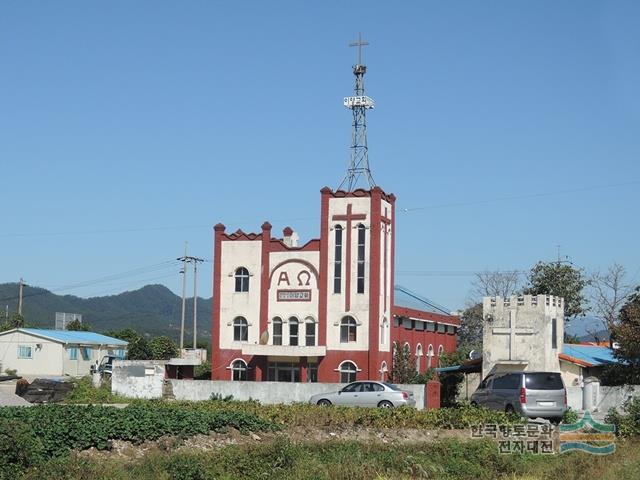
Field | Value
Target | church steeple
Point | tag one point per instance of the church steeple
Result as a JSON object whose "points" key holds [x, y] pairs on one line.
{"points": [[359, 103]]}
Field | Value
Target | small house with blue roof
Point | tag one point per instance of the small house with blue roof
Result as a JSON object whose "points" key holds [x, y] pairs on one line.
{"points": [[44, 352], [578, 362]]}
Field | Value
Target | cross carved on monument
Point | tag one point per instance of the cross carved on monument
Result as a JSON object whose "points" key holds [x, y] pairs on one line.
{"points": [[512, 331]]}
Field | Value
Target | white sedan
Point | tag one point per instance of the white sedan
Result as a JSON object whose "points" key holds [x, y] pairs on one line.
{"points": [[366, 393]]}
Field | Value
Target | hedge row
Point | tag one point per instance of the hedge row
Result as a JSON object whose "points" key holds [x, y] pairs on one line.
{"points": [[307, 415], [54, 430]]}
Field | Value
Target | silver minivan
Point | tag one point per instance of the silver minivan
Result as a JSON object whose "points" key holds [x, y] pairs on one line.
{"points": [[531, 394]]}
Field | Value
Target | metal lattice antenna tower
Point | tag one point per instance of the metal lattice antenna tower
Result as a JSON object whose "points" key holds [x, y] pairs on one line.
{"points": [[359, 103]]}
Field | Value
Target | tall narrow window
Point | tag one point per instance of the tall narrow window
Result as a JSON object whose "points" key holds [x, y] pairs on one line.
{"points": [[337, 263], [293, 331], [348, 328], [361, 237], [242, 279], [554, 334], [429, 356], [383, 330], [240, 329], [277, 331], [310, 332], [418, 357], [383, 371]]}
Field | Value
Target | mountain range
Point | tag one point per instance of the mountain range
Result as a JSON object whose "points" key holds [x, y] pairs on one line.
{"points": [[151, 310]]}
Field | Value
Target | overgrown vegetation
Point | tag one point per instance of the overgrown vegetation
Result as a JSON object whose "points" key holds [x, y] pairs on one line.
{"points": [[49, 431], [306, 415], [627, 421], [84, 392], [282, 459]]}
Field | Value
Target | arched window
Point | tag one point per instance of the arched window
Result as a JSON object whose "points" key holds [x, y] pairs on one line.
{"points": [[383, 371], [310, 332], [348, 372], [242, 279], [337, 262], [277, 331], [293, 331], [239, 370], [361, 243], [429, 356], [440, 353], [383, 328], [240, 329], [418, 357], [348, 328]]}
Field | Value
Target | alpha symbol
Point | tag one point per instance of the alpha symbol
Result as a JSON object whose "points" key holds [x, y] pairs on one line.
{"points": [[283, 277]]}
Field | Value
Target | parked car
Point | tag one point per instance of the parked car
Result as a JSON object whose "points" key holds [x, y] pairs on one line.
{"points": [[530, 394], [367, 394]]}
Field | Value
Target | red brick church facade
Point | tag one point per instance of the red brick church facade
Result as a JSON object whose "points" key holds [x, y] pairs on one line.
{"points": [[326, 311]]}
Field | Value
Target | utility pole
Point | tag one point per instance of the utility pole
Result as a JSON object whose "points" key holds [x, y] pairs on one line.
{"points": [[195, 298], [184, 260], [20, 301]]}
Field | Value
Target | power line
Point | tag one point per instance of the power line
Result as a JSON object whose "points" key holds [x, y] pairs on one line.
{"points": [[518, 197], [452, 273], [109, 278], [316, 218]]}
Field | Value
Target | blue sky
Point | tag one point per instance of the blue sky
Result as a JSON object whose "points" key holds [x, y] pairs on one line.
{"points": [[127, 128]]}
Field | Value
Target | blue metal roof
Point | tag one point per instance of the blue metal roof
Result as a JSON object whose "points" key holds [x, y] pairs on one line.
{"points": [[74, 337], [596, 356], [407, 299]]}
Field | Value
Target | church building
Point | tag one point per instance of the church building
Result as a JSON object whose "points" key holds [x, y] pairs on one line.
{"points": [[328, 310], [325, 311]]}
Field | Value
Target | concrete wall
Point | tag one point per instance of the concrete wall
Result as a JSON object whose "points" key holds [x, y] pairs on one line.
{"points": [[144, 379], [611, 397], [138, 378], [606, 398], [267, 392]]}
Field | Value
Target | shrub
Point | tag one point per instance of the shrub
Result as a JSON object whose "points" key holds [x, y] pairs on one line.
{"points": [[61, 428], [570, 416], [306, 415], [627, 422], [20, 448], [11, 371], [84, 392]]}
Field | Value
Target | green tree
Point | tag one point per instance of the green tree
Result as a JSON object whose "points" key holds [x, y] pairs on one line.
{"points": [[15, 321], [162, 348], [561, 280], [627, 332], [470, 332], [138, 348], [568, 338], [77, 326], [403, 369]]}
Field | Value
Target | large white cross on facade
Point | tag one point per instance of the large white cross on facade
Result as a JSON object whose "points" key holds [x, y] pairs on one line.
{"points": [[512, 331]]}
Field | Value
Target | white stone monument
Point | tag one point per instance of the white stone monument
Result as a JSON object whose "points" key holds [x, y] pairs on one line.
{"points": [[522, 333]]}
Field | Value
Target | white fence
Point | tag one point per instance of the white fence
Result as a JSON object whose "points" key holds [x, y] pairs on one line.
{"points": [[267, 392], [146, 380], [603, 399]]}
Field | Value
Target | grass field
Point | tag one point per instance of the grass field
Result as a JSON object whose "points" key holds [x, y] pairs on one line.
{"points": [[281, 459]]}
